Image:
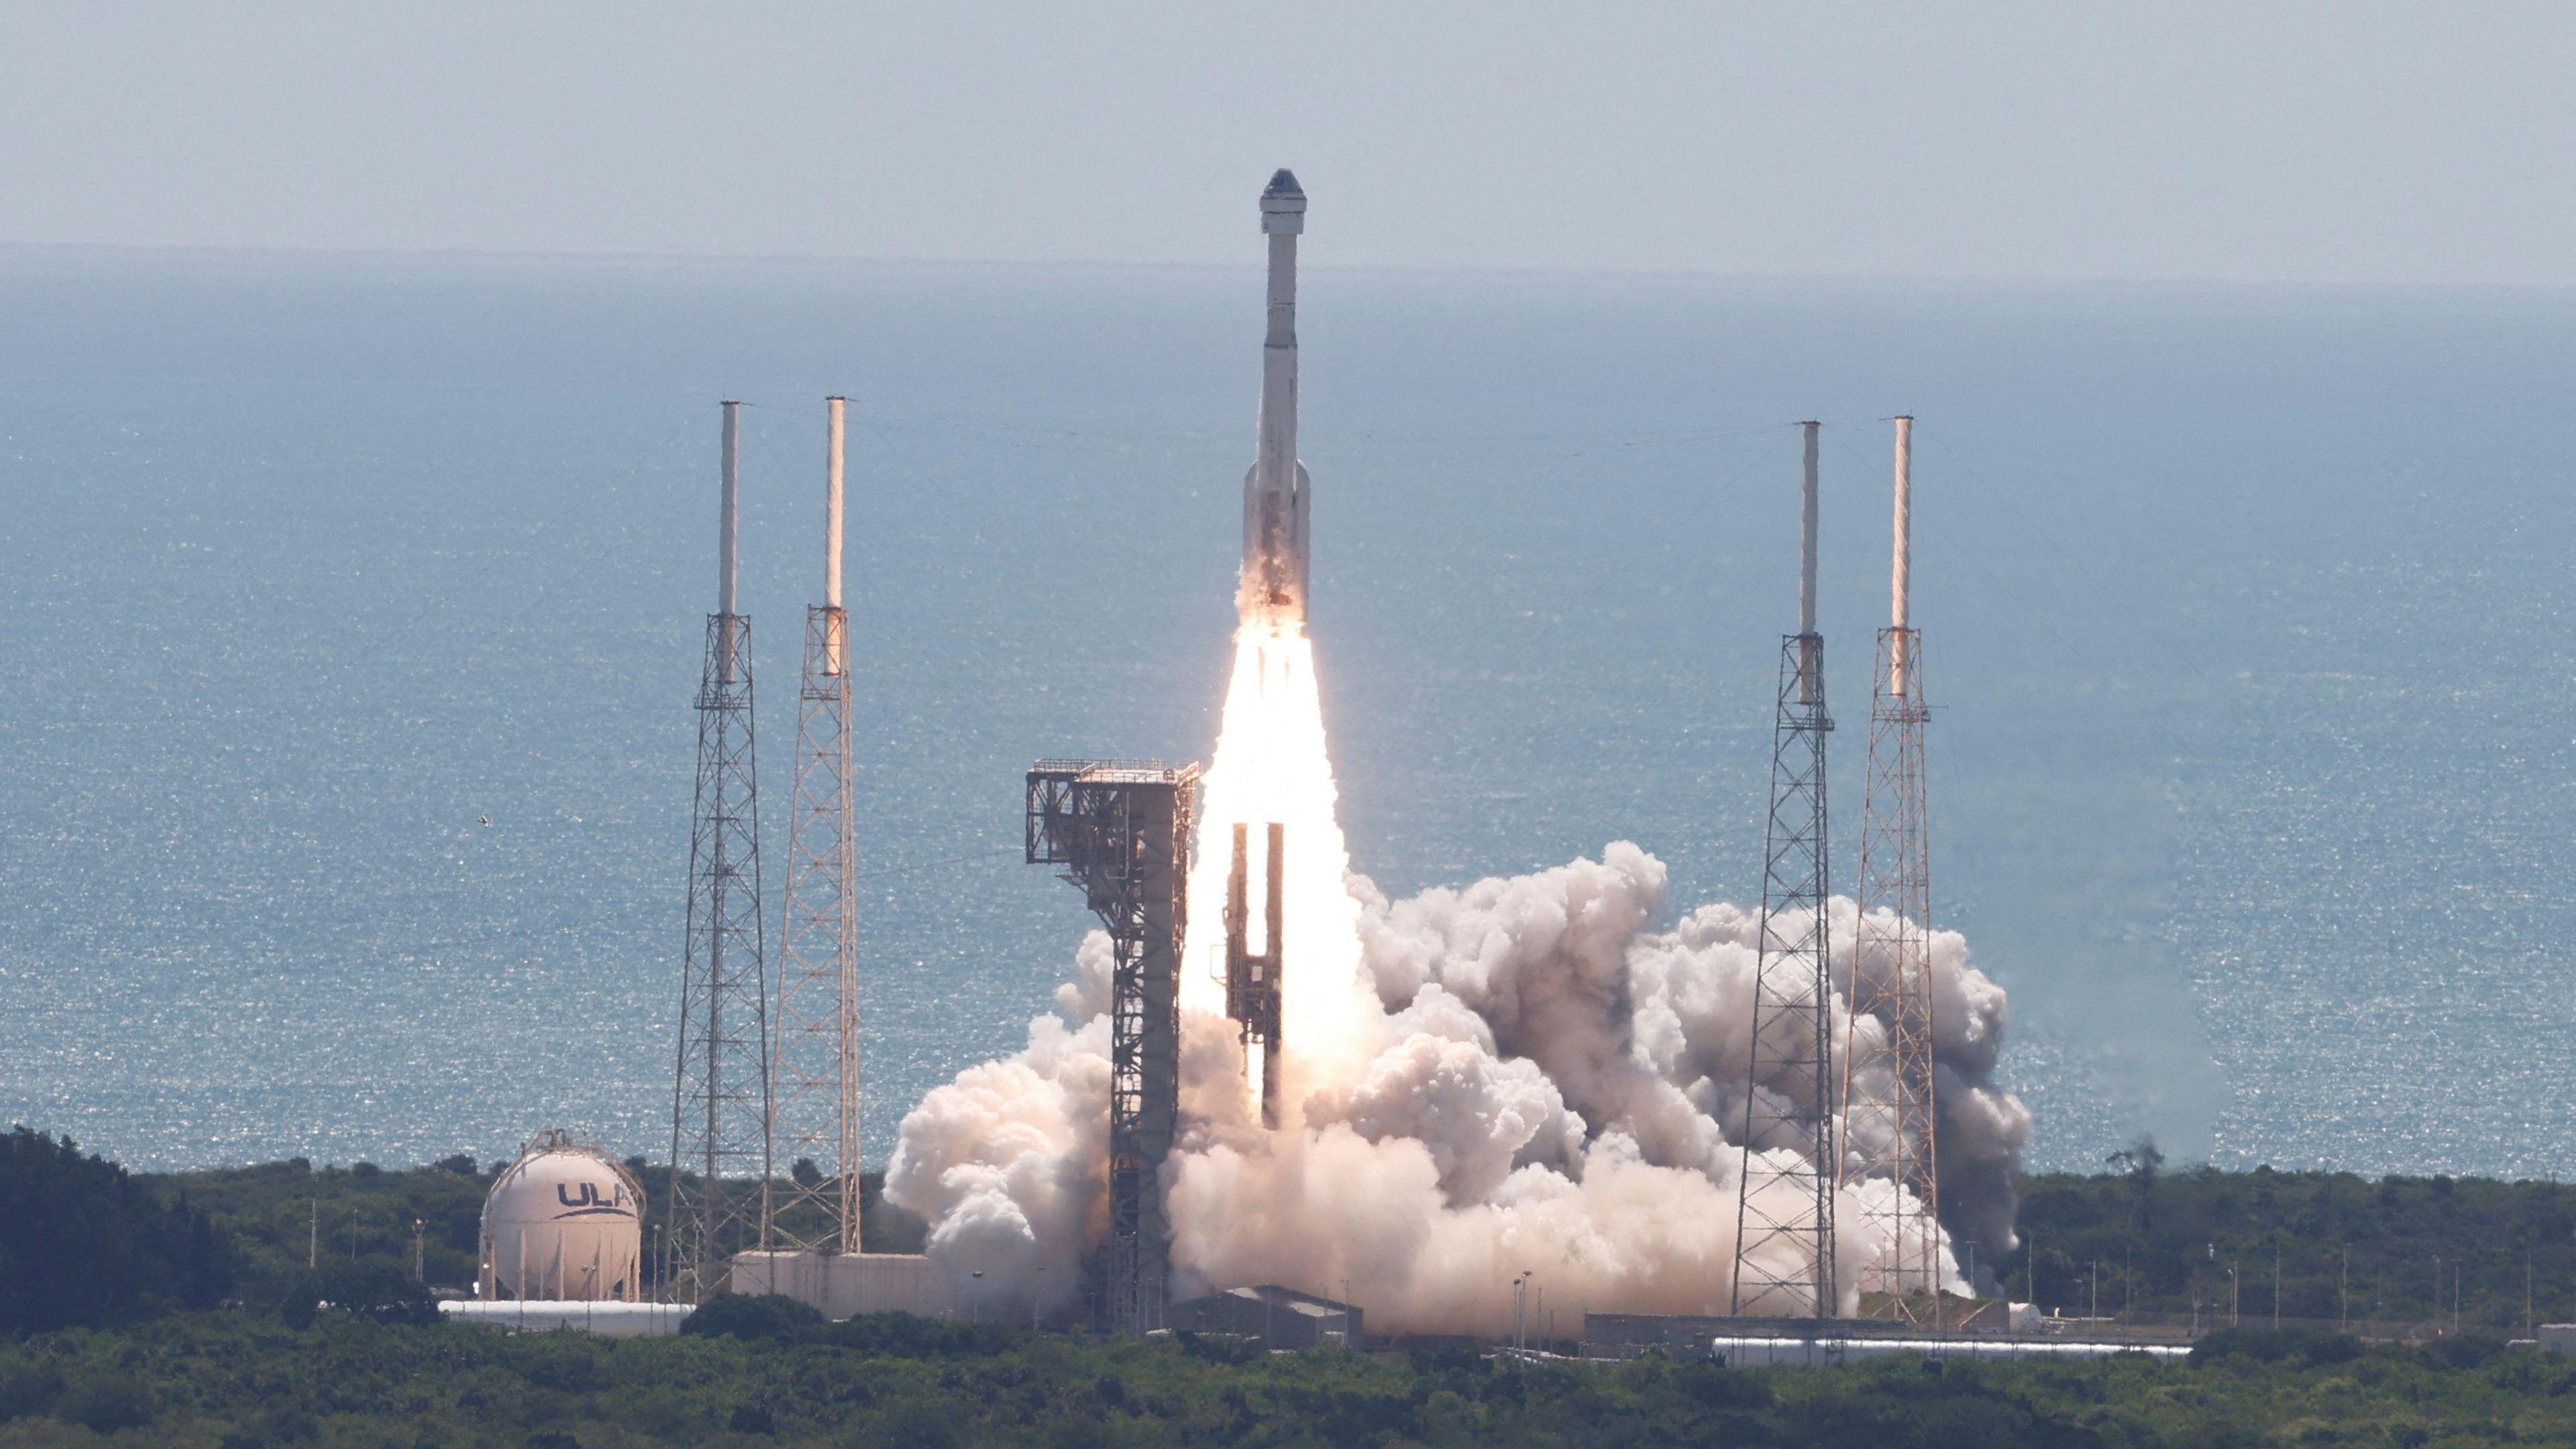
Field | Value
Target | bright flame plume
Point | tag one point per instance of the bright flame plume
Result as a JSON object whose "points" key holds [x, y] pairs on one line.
{"points": [[1272, 766]]}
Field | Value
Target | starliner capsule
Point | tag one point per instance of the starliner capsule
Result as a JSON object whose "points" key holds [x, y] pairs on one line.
{"points": [[1273, 589]]}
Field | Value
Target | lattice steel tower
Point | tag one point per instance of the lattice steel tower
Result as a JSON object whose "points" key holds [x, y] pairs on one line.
{"points": [[815, 1082], [1121, 830], [1888, 1104], [720, 1103], [1784, 1219]]}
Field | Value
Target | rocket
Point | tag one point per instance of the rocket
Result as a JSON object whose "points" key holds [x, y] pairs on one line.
{"points": [[1272, 593]]}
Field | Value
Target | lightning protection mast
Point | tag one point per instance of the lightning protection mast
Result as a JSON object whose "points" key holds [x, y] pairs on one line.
{"points": [[1784, 1227], [816, 1077], [720, 1101], [1888, 1109]]}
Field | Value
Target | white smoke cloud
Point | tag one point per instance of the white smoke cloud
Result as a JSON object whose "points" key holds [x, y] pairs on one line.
{"points": [[1529, 1078]]}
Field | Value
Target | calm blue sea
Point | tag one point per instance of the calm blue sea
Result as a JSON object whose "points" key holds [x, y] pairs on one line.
{"points": [[2244, 610]]}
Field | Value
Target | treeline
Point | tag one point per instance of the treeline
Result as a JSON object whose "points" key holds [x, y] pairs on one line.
{"points": [[84, 1243], [2391, 1249], [239, 1381], [110, 1278], [292, 1220]]}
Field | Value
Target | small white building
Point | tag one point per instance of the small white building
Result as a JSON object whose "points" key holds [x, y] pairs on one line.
{"points": [[844, 1285], [1280, 1317]]}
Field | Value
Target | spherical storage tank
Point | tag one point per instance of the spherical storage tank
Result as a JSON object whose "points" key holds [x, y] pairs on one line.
{"points": [[564, 1222]]}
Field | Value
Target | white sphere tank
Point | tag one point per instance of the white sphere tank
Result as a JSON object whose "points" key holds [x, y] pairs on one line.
{"points": [[563, 1223]]}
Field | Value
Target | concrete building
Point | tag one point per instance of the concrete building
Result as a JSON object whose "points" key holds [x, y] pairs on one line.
{"points": [[1280, 1317], [844, 1285]]}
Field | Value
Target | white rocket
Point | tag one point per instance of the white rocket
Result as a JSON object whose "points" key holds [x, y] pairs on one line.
{"points": [[1273, 589]]}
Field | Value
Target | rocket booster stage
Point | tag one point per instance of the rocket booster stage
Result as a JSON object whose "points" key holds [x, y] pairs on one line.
{"points": [[1273, 589]]}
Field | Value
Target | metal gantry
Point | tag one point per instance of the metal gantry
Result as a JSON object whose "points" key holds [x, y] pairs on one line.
{"points": [[1121, 832], [720, 1102], [816, 1066], [1784, 1244], [1889, 1108]]}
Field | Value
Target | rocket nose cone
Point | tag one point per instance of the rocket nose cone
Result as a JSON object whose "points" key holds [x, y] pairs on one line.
{"points": [[1283, 182]]}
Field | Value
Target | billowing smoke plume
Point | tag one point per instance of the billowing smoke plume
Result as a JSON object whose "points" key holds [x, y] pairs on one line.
{"points": [[1529, 1076]]}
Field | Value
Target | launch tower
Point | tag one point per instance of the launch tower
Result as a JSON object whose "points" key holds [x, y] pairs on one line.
{"points": [[1888, 1104], [1121, 832], [1784, 1228], [816, 1070], [720, 1100]]}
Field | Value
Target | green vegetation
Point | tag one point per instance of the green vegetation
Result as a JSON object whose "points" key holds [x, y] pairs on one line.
{"points": [[109, 1282], [297, 1229], [2159, 1239], [235, 1380], [83, 1243]]}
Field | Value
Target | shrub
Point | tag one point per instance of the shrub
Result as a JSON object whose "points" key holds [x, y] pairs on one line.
{"points": [[2462, 1353], [905, 1335], [737, 1315], [85, 1245], [105, 1403], [913, 1426], [1715, 1387], [2276, 1345], [381, 1292], [28, 1389]]}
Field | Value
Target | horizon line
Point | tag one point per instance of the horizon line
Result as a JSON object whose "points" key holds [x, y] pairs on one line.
{"points": [[1931, 281]]}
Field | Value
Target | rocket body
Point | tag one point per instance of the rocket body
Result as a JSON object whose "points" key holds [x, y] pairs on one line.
{"points": [[1272, 593]]}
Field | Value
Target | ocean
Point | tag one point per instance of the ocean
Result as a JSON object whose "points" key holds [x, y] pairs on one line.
{"points": [[2243, 614]]}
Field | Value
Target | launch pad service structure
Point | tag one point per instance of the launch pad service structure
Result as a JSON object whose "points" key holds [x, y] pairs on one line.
{"points": [[1120, 831]]}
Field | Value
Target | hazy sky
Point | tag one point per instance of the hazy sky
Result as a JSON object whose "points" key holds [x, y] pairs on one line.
{"points": [[2333, 143]]}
